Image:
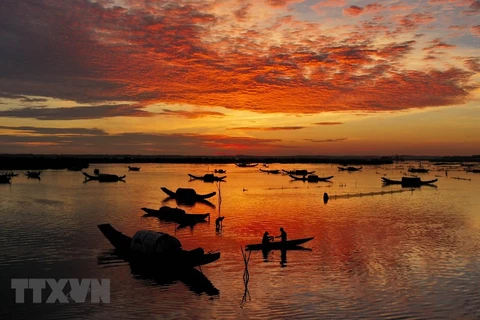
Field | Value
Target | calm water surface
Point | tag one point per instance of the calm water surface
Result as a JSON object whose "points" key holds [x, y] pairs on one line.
{"points": [[414, 254]]}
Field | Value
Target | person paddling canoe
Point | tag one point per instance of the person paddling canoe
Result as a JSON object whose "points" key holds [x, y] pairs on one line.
{"points": [[266, 238]]}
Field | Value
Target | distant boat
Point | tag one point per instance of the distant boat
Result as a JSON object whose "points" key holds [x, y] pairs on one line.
{"points": [[473, 170], [246, 165], [176, 215], [279, 245], [349, 168], [5, 178], [311, 178], [209, 177], [418, 170], [409, 181], [156, 248], [187, 194], [103, 177], [220, 171], [33, 174], [271, 171], [298, 172], [133, 168]]}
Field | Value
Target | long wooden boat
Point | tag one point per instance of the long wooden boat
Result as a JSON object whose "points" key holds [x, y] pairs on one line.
{"points": [[270, 171], [311, 178], [278, 245], [220, 171], [246, 165], [176, 215], [298, 172], [160, 249], [33, 174], [187, 194], [473, 170], [409, 181], [209, 177], [103, 177], [133, 168], [418, 170], [349, 168]]}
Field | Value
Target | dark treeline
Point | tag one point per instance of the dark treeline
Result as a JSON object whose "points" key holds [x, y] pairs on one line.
{"points": [[43, 162]]}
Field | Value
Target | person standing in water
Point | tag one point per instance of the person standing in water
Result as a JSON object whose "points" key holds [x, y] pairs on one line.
{"points": [[283, 235]]}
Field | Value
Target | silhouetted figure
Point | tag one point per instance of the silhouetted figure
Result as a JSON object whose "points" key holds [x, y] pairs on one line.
{"points": [[283, 257], [266, 238], [325, 197], [283, 235], [96, 172], [218, 223], [446, 173]]}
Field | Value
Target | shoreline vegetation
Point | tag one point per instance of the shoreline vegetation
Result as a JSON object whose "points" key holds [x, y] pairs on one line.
{"points": [[44, 162]]}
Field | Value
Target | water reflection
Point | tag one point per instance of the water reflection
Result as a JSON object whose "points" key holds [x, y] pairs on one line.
{"points": [[192, 278]]}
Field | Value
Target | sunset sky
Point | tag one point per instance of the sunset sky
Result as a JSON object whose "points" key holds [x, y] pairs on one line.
{"points": [[228, 77]]}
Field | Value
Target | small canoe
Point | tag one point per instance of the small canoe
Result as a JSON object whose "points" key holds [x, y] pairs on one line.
{"points": [[350, 168], [311, 178], [133, 168], [220, 171], [246, 165], [408, 181], [156, 248], [418, 170], [187, 194], [176, 215], [298, 172], [4, 178], [271, 171], [279, 245], [209, 177]]}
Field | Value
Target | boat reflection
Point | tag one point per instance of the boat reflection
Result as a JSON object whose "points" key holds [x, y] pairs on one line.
{"points": [[283, 254], [188, 203], [192, 278]]}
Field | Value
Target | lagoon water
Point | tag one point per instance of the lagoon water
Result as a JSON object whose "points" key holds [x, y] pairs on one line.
{"points": [[414, 254]]}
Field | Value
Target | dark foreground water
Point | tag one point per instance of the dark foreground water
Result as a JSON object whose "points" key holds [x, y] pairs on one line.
{"points": [[376, 254]]}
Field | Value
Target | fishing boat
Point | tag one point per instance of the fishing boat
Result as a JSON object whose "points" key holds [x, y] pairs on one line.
{"points": [[156, 248], [278, 245], [209, 177], [473, 170], [220, 171], [409, 181], [33, 174], [311, 178], [270, 171], [246, 165], [349, 169], [418, 170], [5, 178], [187, 194], [176, 215], [133, 168], [103, 177], [298, 172]]}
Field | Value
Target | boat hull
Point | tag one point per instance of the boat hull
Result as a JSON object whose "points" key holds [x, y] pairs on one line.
{"points": [[290, 244], [176, 215]]}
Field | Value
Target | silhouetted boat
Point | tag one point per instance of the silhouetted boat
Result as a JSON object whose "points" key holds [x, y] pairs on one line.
{"points": [[279, 245], [187, 194], [4, 178], [176, 215], [271, 171], [160, 249], [311, 178], [209, 177], [133, 168], [298, 172], [473, 170], [409, 181], [349, 168], [246, 165], [220, 171], [103, 177], [418, 170]]}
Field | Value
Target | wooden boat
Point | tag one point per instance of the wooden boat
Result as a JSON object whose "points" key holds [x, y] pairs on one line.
{"points": [[271, 171], [5, 178], [176, 215], [156, 248], [298, 172], [349, 168], [278, 245], [133, 168], [33, 174], [473, 170], [418, 170], [187, 194], [409, 181], [246, 165], [209, 177], [311, 178], [220, 171], [103, 177]]}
